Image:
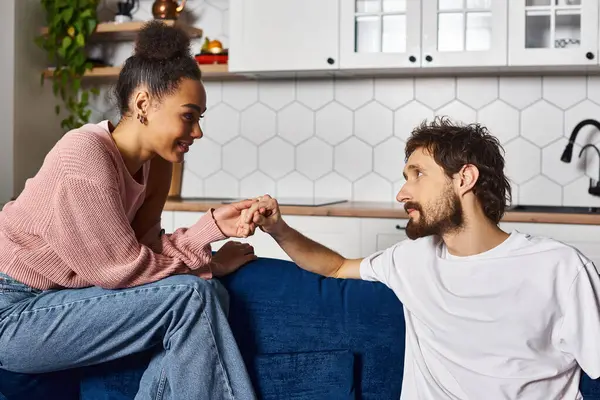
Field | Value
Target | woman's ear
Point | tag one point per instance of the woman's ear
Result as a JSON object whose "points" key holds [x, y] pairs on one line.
{"points": [[467, 176], [141, 104]]}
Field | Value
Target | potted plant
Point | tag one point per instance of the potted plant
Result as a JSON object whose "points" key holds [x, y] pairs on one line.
{"points": [[70, 23]]}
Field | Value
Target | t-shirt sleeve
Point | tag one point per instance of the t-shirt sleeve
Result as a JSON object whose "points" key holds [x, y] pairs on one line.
{"points": [[580, 333], [379, 266]]}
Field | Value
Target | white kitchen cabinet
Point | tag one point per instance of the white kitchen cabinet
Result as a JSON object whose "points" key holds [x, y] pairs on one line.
{"points": [[586, 238], [380, 34], [387, 34], [380, 233], [279, 36], [553, 32], [464, 33], [337, 233]]}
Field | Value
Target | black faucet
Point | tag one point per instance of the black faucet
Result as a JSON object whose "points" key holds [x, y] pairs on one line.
{"points": [[568, 153], [594, 188]]}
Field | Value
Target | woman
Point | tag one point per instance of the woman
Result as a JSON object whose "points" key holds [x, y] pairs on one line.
{"points": [[87, 275]]}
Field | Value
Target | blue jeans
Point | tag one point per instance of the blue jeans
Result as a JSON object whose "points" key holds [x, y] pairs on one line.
{"points": [[44, 331]]}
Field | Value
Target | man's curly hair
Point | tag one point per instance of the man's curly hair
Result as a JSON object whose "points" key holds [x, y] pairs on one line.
{"points": [[453, 146]]}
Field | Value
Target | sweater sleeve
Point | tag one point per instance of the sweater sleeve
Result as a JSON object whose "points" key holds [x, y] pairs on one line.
{"points": [[90, 232]]}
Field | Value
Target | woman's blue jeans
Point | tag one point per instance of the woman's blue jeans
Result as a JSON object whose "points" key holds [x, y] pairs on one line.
{"points": [[44, 331]]}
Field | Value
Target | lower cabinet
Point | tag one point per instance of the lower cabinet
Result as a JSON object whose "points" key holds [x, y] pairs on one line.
{"points": [[359, 237]]}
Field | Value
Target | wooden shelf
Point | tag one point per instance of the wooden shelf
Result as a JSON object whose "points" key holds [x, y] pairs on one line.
{"points": [[209, 72], [128, 30]]}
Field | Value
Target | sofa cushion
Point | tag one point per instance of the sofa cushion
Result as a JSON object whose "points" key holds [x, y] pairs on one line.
{"points": [[326, 375], [276, 307]]}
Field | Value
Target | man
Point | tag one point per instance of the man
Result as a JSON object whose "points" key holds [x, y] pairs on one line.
{"points": [[489, 314]]}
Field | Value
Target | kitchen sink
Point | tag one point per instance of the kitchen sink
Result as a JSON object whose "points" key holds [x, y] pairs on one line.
{"points": [[554, 209]]}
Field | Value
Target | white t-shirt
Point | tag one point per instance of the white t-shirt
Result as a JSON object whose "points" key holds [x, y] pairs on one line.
{"points": [[515, 322]]}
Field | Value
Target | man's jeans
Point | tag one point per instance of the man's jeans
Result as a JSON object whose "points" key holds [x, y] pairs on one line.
{"points": [[43, 331]]}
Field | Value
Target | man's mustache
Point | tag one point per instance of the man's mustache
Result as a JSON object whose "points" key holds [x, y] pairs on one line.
{"points": [[412, 206]]}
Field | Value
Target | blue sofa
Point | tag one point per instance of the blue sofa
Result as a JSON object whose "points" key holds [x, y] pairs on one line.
{"points": [[302, 336]]}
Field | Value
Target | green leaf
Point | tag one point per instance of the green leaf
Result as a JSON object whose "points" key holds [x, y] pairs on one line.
{"points": [[67, 14], [57, 109], [86, 14], [91, 26], [80, 40]]}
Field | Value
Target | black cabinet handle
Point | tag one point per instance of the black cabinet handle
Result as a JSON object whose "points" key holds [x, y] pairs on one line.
{"points": [[412, 59], [330, 61], [589, 55], [428, 58], [400, 228]]}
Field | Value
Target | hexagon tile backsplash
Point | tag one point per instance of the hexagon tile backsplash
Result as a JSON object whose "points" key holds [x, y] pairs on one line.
{"points": [[345, 137]]}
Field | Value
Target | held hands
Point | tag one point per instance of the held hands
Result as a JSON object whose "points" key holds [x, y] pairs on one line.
{"points": [[241, 219]]}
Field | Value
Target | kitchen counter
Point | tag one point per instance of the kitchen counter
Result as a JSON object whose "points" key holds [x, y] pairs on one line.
{"points": [[389, 210]]}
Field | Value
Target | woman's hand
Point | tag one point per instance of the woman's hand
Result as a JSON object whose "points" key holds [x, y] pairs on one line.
{"points": [[231, 257], [230, 222]]}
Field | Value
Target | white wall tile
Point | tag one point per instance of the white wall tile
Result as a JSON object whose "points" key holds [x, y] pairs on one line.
{"points": [[501, 120], [557, 170], [191, 184], [239, 157], [295, 185], [221, 123], [258, 123], [540, 191], [204, 157], [564, 91], [593, 88], [394, 93], [296, 123], [256, 184], [476, 92], [435, 92], [314, 93], [520, 92], [353, 93], [576, 194], [214, 93], [542, 123], [388, 159], [333, 185], [314, 158], [522, 160], [277, 93], [373, 188], [221, 184], [373, 123], [240, 94], [353, 159], [410, 116], [334, 123], [458, 112], [276, 158]]}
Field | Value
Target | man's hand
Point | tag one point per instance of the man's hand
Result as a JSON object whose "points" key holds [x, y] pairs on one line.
{"points": [[231, 257], [266, 215], [230, 221]]}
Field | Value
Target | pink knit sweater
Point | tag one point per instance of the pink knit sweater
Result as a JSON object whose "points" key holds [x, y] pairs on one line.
{"points": [[71, 225]]}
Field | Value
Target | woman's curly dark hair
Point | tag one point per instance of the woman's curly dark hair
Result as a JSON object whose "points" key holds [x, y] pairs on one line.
{"points": [[453, 146], [161, 59]]}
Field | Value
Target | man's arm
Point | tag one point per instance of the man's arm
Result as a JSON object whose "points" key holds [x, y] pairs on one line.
{"points": [[305, 252]]}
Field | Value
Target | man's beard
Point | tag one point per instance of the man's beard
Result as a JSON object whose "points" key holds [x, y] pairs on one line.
{"points": [[445, 215]]}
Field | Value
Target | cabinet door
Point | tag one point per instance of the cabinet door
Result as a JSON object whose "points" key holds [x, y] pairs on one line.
{"points": [[339, 234], [275, 35], [380, 233], [585, 238], [464, 33], [377, 34], [553, 32]]}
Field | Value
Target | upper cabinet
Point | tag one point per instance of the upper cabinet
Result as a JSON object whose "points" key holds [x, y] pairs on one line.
{"points": [[380, 34], [288, 35], [464, 33], [553, 32], [349, 36]]}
